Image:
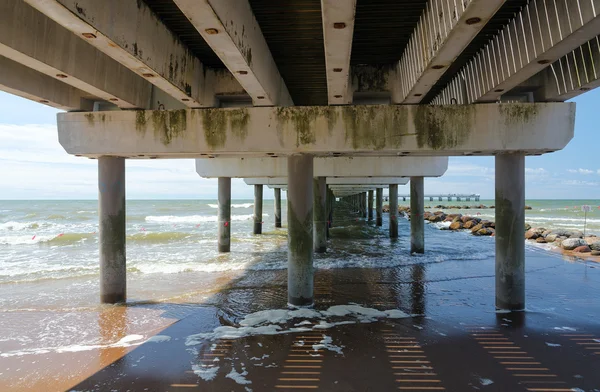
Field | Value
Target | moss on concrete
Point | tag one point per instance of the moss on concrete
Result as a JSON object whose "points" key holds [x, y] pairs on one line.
{"points": [[375, 127], [169, 125], [140, 121], [238, 122], [214, 122], [300, 239], [90, 118], [441, 127], [304, 120], [518, 113]]}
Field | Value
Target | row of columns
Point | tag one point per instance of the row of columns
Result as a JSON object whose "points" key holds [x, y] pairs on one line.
{"points": [[308, 207]]}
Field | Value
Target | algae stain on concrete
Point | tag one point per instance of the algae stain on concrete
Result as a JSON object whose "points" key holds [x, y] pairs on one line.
{"points": [[169, 125], [376, 126], [518, 113], [441, 127], [140, 121], [214, 123], [238, 122], [304, 121], [90, 118]]}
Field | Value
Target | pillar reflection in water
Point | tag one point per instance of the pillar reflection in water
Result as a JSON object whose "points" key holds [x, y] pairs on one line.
{"points": [[112, 326], [418, 289]]}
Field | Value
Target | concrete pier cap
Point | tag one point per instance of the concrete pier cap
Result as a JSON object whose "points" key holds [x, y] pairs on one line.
{"points": [[362, 166]]}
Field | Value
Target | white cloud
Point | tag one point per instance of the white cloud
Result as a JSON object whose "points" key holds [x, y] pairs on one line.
{"points": [[460, 169], [581, 171], [581, 183], [538, 171]]}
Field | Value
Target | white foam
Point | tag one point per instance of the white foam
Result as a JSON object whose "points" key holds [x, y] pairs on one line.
{"points": [[195, 219], [485, 381], [213, 205], [243, 205], [159, 339], [239, 377], [267, 322], [325, 344], [175, 268], [207, 373], [552, 344]]}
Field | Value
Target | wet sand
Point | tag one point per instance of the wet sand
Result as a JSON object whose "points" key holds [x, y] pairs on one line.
{"points": [[457, 344]]}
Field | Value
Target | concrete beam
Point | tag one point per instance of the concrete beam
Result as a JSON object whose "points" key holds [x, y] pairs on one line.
{"points": [[338, 29], [20, 80], [540, 34], [325, 167], [29, 37], [331, 180], [322, 131], [443, 32], [129, 32], [239, 43]]}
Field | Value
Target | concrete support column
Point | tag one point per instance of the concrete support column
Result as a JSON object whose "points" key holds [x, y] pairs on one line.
{"points": [[224, 214], [277, 192], [510, 226], [320, 214], [393, 210], [258, 208], [370, 206], [111, 213], [379, 206], [417, 223], [300, 230]]}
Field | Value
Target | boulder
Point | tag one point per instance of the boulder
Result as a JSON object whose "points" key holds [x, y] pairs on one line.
{"points": [[540, 240], [484, 231], [527, 226], [575, 234], [560, 232], [595, 246], [487, 223], [465, 218], [582, 249], [476, 228], [551, 237], [531, 234], [572, 243], [456, 226], [435, 218], [545, 233], [470, 224], [596, 253], [528, 208]]}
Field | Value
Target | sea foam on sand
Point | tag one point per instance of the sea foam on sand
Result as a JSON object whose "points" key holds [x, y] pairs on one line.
{"points": [[268, 322]]}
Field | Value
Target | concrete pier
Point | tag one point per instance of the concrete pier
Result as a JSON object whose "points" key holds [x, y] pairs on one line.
{"points": [[277, 194], [417, 223], [393, 211], [320, 214], [111, 213], [300, 230], [258, 208], [379, 206], [370, 205], [510, 226], [224, 214], [363, 200]]}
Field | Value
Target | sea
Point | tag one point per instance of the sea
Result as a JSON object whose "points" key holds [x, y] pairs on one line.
{"points": [[49, 272]]}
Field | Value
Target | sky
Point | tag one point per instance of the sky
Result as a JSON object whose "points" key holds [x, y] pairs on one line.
{"points": [[33, 165]]}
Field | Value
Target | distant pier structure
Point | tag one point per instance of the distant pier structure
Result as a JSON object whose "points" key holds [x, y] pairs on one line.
{"points": [[449, 197]]}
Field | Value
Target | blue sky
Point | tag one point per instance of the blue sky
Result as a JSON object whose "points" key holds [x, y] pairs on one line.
{"points": [[34, 166]]}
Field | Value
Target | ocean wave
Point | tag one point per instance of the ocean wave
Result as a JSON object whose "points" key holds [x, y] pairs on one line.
{"points": [[158, 237], [243, 205], [56, 217], [194, 218], [18, 226], [557, 219], [176, 268]]}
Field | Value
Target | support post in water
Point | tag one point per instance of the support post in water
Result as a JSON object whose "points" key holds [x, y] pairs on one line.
{"points": [[277, 192], [510, 226], [393, 210], [258, 208], [320, 214], [370, 205], [111, 212], [224, 214], [300, 230], [417, 223], [379, 206]]}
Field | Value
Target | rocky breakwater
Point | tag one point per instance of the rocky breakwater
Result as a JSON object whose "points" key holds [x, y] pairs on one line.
{"points": [[477, 226], [568, 240]]}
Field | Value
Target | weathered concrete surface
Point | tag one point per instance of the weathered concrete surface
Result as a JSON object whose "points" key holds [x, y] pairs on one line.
{"points": [[379, 206], [334, 182], [130, 33], [231, 30], [20, 80], [417, 223], [224, 214], [510, 226], [32, 39], [393, 194], [300, 230], [277, 196], [329, 167], [258, 208], [320, 215], [355, 130], [370, 205], [111, 213]]}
